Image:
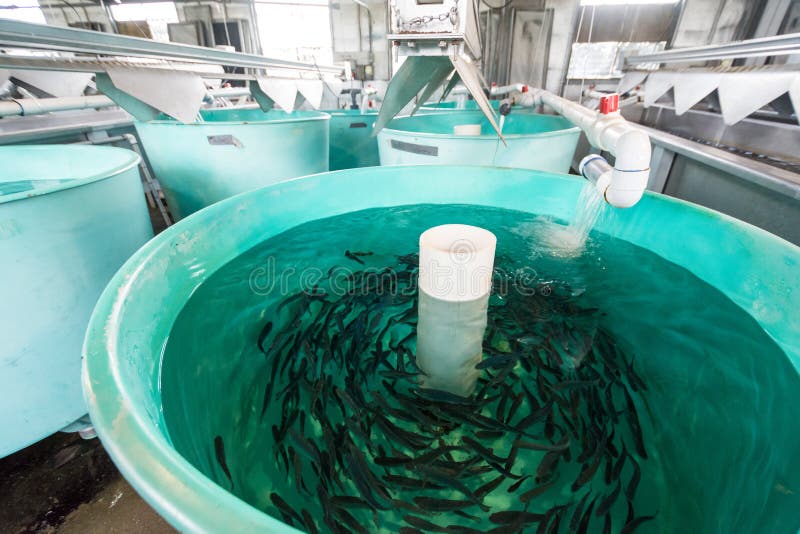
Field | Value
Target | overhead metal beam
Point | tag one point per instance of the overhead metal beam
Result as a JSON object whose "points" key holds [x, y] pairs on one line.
{"points": [[779, 45], [43, 37]]}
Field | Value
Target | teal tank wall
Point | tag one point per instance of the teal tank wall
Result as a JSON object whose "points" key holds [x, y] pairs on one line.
{"points": [[135, 315], [69, 218], [352, 144], [534, 141], [231, 151]]}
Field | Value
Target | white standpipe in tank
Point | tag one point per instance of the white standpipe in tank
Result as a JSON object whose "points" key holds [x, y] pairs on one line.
{"points": [[455, 279]]}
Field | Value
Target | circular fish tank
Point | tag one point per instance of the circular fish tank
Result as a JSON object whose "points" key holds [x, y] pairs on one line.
{"points": [[69, 218], [533, 141], [352, 143], [253, 368], [232, 150]]}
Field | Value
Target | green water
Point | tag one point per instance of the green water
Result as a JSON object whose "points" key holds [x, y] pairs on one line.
{"points": [[715, 405]]}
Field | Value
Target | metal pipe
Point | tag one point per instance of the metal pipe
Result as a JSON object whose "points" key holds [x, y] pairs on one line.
{"points": [[43, 37], [39, 106], [766, 46]]}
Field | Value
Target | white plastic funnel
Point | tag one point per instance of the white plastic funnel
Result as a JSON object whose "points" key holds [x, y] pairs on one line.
{"points": [[455, 279]]}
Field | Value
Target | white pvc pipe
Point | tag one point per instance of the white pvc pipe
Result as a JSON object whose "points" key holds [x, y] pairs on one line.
{"points": [[612, 133], [455, 279], [39, 106], [506, 89]]}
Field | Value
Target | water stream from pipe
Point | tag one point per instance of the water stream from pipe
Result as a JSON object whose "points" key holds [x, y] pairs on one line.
{"points": [[570, 239]]}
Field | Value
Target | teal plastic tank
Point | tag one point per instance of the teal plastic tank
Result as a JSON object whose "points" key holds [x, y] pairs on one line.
{"points": [[756, 487], [352, 143], [452, 105], [534, 141], [231, 151], [69, 218]]}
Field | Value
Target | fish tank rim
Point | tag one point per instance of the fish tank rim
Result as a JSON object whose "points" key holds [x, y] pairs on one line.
{"points": [[312, 116], [388, 130], [133, 160], [158, 472], [347, 112]]}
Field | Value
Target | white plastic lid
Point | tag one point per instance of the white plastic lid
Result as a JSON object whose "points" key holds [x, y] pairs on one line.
{"points": [[456, 262]]}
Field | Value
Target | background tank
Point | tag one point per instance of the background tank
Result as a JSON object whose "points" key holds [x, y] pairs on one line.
{"points": [[69, 218], [352, 144], [231, 151], [540, 142], [754, 271]]}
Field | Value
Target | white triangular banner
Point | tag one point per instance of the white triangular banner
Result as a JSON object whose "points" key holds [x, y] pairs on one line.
{"points": [[794, 95], [658, 83], [334, 86], [157, 88], [631, 80], [312, 91], [742, 93], [283, 92], [692, 87]]}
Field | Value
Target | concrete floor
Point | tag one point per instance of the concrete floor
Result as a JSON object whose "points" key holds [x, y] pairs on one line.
{"points": [[64, 484]]}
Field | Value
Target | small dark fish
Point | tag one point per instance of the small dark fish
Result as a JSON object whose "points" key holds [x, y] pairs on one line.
{"points": [[560, 446], [410, 483], [498, 361], [489, 434], [548, 463], [630, 489], [571, 384], [587, 472], [486, 454], [219, 450], [633, 524], [515, 486], [578, 513], [512, 411], [437, 395], [263, 335], [633, 422], [352, 523], [423, 524], [508, 517], [617, 471], [609, 500], [442, 505], [535, 492], [349, 502], [308, 522], [489, 486], [351, 256], [535, 416], [361, 253], [288, 513], [443, 477], [583, 528]]}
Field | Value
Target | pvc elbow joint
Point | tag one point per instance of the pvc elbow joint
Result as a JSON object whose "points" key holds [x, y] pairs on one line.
{"points": [[620, 188]]}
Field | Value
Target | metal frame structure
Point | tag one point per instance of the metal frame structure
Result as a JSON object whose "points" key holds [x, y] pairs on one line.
{"points": [[28, 35], [778, 45]]}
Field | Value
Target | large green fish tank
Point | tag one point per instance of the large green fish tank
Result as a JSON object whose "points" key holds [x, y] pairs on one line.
{"points": [[70, 216], [253, 367], [352, 144], [228, 151], [532, 141]]}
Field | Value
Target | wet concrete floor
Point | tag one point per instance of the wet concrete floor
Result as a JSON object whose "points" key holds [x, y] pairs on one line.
{"points": [[65, 484]]}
